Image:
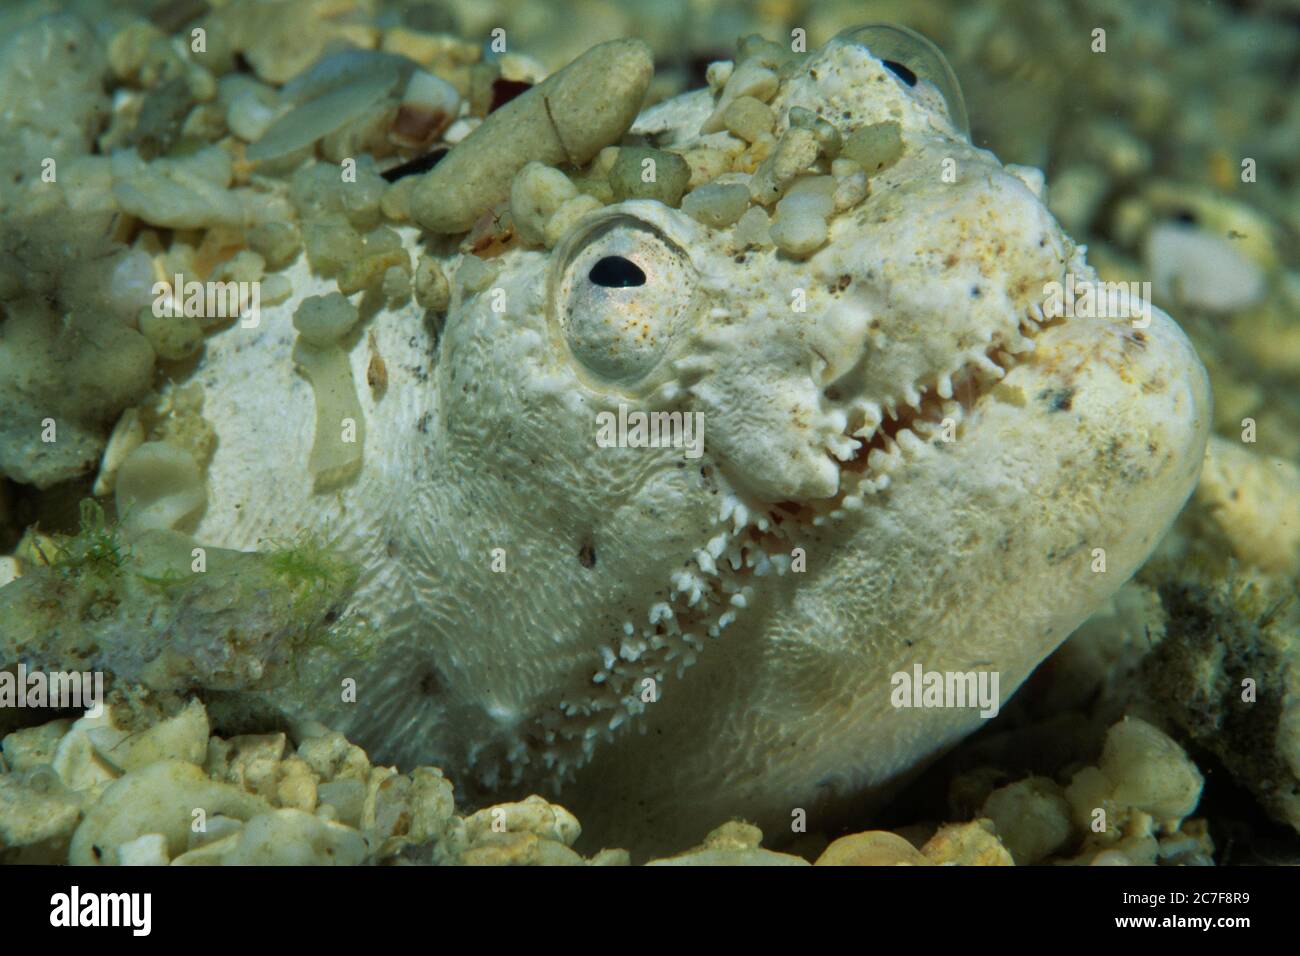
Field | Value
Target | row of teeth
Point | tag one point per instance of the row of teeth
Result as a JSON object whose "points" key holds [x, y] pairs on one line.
{"points": [[868, 473], [705, 597], [926, 408]]}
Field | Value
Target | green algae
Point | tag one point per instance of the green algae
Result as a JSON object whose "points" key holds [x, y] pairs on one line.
{"points": [[167, 613]]}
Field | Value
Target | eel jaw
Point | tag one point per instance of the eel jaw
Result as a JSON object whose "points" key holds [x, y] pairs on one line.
{"points": [[979, 554]]}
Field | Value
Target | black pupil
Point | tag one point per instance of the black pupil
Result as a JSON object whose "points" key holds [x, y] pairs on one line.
{"points": [[615, 272], [902, 72]]}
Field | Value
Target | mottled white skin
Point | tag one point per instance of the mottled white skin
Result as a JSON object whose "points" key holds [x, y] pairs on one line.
{"points": [[976, 555]]}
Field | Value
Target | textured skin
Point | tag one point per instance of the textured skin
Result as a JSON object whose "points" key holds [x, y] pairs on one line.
{"points": [[974, 554]]}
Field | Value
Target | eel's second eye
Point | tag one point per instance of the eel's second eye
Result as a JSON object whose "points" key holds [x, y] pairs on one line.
{"points": [[615, 272], [624, 292], [913, 59]]}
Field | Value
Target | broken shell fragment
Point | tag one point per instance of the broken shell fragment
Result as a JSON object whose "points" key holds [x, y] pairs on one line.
{"points": [[319, 117]]}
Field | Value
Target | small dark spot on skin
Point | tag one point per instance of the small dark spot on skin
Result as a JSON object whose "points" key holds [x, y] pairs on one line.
{"points": [[422, 426], [1186, 217], [975, 292], [587, 555], [431, 683], [740, 259], [1058, 399], [900, 71]]}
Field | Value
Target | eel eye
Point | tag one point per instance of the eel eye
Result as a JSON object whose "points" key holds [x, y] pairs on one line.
{"points": [[913, 59], [616, 272], [623, 294]]}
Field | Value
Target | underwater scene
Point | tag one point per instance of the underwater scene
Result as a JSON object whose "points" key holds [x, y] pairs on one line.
{"points": [[611, 432]]}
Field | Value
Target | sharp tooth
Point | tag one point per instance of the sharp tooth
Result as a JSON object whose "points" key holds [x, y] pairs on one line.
{"points": [[880, 461], [742, 517], [871, 419], [843, 448], [716, 545], [925, 429], [945, 387], [989, 367], [909, 441], [1020, 344]]}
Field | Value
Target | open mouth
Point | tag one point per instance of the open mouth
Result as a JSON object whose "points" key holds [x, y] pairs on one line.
{"points": [[877, 441], [941, 406], [755, 540]]}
